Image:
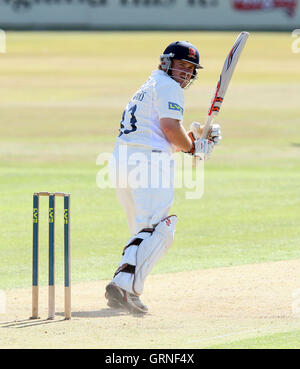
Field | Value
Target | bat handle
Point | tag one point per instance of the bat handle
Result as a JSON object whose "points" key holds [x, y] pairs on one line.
{"points": [[207, 126]]}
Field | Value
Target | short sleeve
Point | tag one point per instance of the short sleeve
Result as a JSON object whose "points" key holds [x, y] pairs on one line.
{"points": [[169, 101]]}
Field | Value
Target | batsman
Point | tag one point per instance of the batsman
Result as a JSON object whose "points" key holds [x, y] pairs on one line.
{"points": [[152, 123]]}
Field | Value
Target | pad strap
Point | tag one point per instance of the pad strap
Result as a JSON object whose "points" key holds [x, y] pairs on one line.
{"points": [[135, 242], [128, 268], [125, 268]]}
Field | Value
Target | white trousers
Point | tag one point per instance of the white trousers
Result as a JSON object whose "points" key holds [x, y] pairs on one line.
{"points": [[144, 183]]}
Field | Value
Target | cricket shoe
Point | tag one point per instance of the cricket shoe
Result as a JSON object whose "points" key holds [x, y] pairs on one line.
{"points": [[119, 298], [112, 301]]}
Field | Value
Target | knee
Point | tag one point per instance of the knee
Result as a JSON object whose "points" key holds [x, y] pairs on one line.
{"points": [[166, 228]]}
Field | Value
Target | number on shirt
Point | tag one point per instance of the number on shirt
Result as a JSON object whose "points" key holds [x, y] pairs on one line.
{"points": [[132, 121]]}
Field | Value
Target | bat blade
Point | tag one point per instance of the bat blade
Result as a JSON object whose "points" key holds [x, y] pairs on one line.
{"points": [[224, 80]]}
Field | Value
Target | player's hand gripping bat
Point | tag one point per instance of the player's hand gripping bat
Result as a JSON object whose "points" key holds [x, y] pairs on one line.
{"points": [[225, 77]]}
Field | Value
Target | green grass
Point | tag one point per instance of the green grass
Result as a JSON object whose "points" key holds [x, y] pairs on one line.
{"points": [[285, 340], [61, 100]]}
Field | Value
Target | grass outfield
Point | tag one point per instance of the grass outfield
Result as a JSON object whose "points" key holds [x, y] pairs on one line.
{"points": [[61, 100], [285, 340]]}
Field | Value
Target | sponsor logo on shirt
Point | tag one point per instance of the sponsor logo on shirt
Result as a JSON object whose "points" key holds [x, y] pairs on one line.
{"points": [[174, 106]]}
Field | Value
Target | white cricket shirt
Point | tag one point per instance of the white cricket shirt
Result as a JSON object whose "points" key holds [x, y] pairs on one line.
{"points": [[159, 97]]}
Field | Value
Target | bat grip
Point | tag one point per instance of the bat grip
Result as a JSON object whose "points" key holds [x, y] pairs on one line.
{"points": [[207, 126]]}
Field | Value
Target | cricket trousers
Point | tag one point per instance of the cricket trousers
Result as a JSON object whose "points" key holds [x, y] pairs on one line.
{"points": [[144, 182]]}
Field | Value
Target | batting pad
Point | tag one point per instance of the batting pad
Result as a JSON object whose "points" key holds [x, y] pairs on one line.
{"points": [[122, 278], [151, 250], [139, 258]]}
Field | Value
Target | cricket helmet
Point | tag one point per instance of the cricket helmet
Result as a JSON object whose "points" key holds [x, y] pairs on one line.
{"points": [[180, 50]]}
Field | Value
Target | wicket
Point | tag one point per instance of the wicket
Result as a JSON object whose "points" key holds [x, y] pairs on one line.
{"points": [[35, 258]]}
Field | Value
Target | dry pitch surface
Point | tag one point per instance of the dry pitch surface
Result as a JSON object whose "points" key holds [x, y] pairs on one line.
{"points": [[187, 310]]}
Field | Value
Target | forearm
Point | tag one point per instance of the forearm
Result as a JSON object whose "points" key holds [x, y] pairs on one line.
{"points": [[176, 134]]}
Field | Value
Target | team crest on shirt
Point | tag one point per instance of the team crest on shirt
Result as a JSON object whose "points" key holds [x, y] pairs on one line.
{"points": [[174, 106]]}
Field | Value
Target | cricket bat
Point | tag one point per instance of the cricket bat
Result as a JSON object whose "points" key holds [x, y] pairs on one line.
{"points": [[225, 77]]}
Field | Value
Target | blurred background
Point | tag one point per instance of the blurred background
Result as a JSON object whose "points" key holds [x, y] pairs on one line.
{"points": [[150, 14], [62, 94]]}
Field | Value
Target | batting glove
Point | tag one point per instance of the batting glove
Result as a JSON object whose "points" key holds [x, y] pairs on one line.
{"points": [[215, 134]]}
